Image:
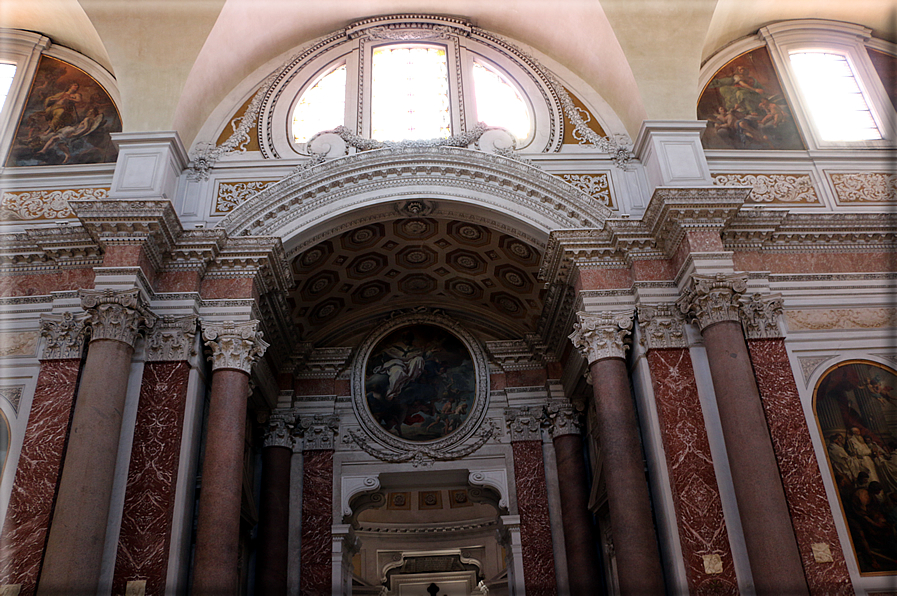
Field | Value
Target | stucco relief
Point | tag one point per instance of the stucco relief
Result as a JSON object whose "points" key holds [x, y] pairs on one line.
{"points": [[45, 204], [230, 194], [596, 186], [773, 188], [875, 187], [841, 318], [18, 343]]}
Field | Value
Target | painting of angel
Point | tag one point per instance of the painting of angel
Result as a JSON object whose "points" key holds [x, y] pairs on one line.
{"points": [[420, 382], [66, 120]]}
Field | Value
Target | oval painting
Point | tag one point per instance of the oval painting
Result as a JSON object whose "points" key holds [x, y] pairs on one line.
{"points": [[420, 382]]}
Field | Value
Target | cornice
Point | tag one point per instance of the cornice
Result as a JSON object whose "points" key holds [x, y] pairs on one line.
{"points": [[768, 229]]}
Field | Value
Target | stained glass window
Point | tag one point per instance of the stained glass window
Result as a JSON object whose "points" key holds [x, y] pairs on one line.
{"points": [[409, 93], [322, 106], [7, 72], [835, 100], [498, 102]]}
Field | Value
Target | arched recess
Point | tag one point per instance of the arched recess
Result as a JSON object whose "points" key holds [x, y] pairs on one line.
{"points": [[322, 200]]}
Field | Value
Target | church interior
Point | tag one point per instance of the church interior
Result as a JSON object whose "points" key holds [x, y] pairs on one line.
{"points": [[409, 298]]}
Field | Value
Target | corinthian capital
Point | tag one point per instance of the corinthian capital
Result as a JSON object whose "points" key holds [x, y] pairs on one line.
{"points": [[171, 339], [713, 298], [317, 431], [524, 423], [601, 335], [663, 326], [564, 418], [119, 315], [279, 429], [64, 335], [760, 315], [234, 345]]}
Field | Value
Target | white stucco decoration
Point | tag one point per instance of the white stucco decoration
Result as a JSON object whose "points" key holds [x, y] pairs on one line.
{"points": [[495, 479]]}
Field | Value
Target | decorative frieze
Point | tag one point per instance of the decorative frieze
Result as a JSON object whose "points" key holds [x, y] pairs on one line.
{"points": [[596, 186], [563, 419], [279, 429], [171, 339], [34, 205], [63, 336], [18, 343], [599, 336], [760, 315], [525, 423], [116, 314], [789, 189], [713, 298], [662, 325], [317, 431], [230, 194], [234, 345], [841, 318], [872, 187]]}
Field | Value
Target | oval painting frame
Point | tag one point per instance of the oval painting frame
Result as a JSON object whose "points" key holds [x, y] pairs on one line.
{"points": [[420, 380]]}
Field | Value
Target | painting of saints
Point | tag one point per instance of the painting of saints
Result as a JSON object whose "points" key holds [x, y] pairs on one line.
{"points": [[745, 108], [857, 415], [67, 119], [420, 383]]}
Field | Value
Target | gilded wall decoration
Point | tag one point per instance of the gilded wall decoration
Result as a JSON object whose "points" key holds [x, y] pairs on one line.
{"points": [[18, 343], [874, 187], [856, 409], [773, 188], [596, 186], [230, 194], [745, 107], [45, 204], [67, 119], [841, 318]]}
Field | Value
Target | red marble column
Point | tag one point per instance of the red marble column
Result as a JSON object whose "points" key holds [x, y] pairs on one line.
{"points": [[600, 338], [703, 535], [769, 537], [235, 347], [145, 538], [579, 531], [31, 502], [317, 519], [535, 529], [274, 506], [811, 512], [74, 551]]}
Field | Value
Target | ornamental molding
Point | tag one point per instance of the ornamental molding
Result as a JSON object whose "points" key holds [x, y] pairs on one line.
{"points": [[35, 205], [525, 423], [449, 445], [63, 335], [662, 326], [317, 431], [790, 189], [778, 229], [279, 430], [261, 257], [352, 486], [596, 186], [760, 314], [313, 194], [564, 419], [497, 480], [425, 455], [171, 338], [713, 299], [519, 354], [672, 212], [228, 195], [235, 346], [320, 363], [119, 315], [872, 187], [336, 142], [810, 364], [601, 335]]}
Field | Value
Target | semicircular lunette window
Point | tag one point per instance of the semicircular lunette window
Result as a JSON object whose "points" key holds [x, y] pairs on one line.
{"points": [[409, 93], [499, 103], [322, 106]]}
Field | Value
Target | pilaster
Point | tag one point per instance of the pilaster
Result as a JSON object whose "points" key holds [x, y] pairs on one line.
{"points": [[149, 165], [672, 154]]}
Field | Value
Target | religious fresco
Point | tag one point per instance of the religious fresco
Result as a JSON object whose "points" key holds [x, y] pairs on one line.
{"points": [[420, 382], [856, 408], [67, 119], [745, 108]]}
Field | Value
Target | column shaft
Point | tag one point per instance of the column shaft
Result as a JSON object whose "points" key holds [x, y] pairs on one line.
{"points": [[769, 536], [74, 551], [274, 517], [629, 503], [579, 532], [218, 526]]}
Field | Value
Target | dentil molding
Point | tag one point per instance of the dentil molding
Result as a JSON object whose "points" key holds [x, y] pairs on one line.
{"points": [[234, 345], [600, 335], [118, 315]]}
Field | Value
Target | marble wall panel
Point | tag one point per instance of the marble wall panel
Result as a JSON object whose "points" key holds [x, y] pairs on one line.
{"points": [[526, 378], [699, 510], [811, 513], [535, 528], [31, 502], [317, 520], [603, 279], [148, 510], [43, 284], [814, 262]]}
